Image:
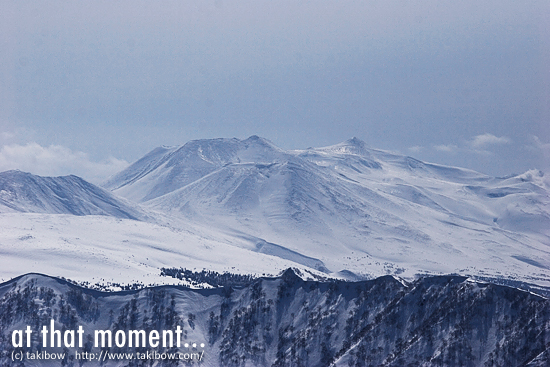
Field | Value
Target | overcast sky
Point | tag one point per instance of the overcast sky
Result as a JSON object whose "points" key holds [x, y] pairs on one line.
{"points": [[88, 86]]}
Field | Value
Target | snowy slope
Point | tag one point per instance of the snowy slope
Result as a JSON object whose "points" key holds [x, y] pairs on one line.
{"points": [[247, 206], [166, 169], [352, 208], [27, 193], [102, 249]]}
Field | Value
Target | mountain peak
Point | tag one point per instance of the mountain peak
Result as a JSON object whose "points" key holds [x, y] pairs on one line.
{"points": [[255, 139], [351, 146], [356, 142], [27, 193], [289, 276], [15, 173]]}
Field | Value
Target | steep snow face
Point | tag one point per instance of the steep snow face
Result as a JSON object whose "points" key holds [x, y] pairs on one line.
{"points": [[352, 208], [285, 321], [27, 193], [164, 170]]}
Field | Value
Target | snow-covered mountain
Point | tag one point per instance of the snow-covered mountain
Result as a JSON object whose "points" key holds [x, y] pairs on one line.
{"points": [[248, 207], [283, 321], [348, 207], [26, 193], [166, 169]]}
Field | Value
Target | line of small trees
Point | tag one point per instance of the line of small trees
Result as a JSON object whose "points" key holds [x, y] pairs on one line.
{"points": [[210, 277]]}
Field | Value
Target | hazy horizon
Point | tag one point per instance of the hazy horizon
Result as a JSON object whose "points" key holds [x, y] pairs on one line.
{"points": [[88, 88]]}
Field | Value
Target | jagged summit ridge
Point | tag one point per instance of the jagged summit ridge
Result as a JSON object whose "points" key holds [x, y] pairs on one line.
{"points": [[445, 321]]}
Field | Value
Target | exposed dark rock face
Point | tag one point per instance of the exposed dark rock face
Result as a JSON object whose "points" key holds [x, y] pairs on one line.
{"points": [[285, 321]]}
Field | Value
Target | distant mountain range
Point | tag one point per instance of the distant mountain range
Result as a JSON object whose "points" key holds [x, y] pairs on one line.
{"points": [[285, 321], [248, 206], [27, 193]]}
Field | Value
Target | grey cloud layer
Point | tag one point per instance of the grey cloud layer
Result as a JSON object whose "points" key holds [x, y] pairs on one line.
{"points": [[119, 78]]}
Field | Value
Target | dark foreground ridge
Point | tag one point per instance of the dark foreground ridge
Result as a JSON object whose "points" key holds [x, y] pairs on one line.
{"points": [[286, 321]]}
